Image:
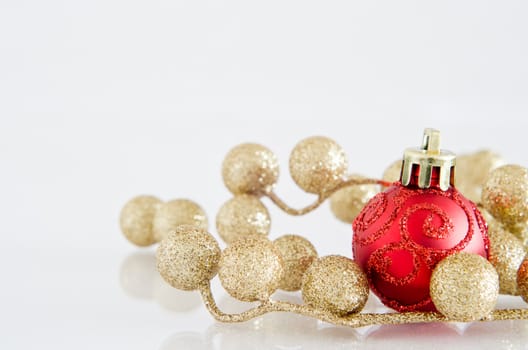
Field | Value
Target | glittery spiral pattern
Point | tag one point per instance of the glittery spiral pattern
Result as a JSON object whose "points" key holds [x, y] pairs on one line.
{"points": [[402, 234]]}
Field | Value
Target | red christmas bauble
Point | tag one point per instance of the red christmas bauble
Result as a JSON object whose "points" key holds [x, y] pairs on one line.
{"points": [[402, 233]]}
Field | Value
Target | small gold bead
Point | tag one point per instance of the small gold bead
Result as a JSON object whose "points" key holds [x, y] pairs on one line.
{"points": [[251, 269], [505, 194], [188, 257], [297, 255], [464, 287], [506, 255], [318, 164], [522, 280], [177, 212], [335, 284], [136, 219], [472, 170], [242, 216], [250, 169], [393, 172], [348, 201]]}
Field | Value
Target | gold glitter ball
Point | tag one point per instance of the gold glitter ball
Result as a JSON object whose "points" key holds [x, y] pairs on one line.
{"points": [[472, 171], [464, 287], [188, 257], [335, 284], [250, 169], [506, 255], [505, 194], [251, 269], [242, 216], [177, 212], [522, 280], [297, 255], [347, 202], [393, 172], [136, 219], [521, 232], [318, 164]]}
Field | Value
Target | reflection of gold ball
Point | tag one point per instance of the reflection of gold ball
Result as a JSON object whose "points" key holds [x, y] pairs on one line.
{"points": [[297, 254], [464, 287], [251, 269], [136, 219], [506, 255], [505, 194], [393, 172], [472, 170], [242, 216], [250, 168], [348, 201], [336, 284], [522, 280], [318, 164], [177, 212], [188, 257]]}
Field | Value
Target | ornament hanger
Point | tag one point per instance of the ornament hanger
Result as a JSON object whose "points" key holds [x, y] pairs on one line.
{"points": [[419, 244]]}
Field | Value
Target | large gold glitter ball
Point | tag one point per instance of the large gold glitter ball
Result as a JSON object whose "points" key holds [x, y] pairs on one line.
{"points": [[506, 255], [347, 202], [250, 169], [297, 255], [242, 216], [522, 280], [136, 219], [393, 172], [464, 287], [318, 164], [505, 194], [188, 257], [472, 171], [177, 212], [335, 284], [251, 269]]}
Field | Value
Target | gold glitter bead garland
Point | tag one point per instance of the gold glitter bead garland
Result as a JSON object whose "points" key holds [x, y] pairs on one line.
{"points": [[251, 269], [472, 170], [318, 164], [464, 287], [242, 216], [505, 195], [297, 255], [174, 213], [188, 257], [336, 284], [136, 219], [250, 169], [347, 202]]}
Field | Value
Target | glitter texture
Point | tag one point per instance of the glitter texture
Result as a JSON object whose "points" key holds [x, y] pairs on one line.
{"points": [[136, 219], [472, 171], [522, 280], [348, 201], [177, 212], [505, 194], [251, 269], [335, 284], [242, 216], [250, 169], [188, 257], [318, 164], [464, 287], [297, 255], [506, 255]]}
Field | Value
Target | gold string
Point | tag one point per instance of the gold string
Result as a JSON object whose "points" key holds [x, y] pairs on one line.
{"points": [[352, 320], [323, 196]]}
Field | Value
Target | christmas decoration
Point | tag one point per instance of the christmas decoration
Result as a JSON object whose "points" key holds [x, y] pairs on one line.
{"points": [[402, 233], [420, 245]]}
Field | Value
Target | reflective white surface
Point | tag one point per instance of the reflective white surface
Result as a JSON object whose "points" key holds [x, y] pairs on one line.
{"points": [[106, 99]]}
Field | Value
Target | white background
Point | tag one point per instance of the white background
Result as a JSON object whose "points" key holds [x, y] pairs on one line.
{"points": [[104, 100]]}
